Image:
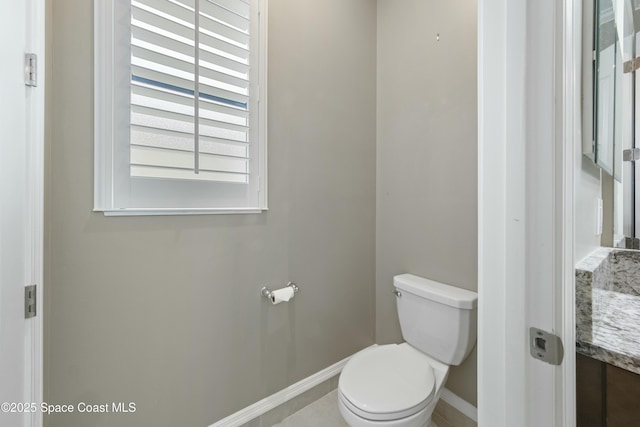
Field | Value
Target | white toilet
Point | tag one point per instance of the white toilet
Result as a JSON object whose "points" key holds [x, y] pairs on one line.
{"points": [[399, 385]]}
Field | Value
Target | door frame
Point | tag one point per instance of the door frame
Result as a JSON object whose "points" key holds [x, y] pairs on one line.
{"points": [[514, 388], [34, 345], [26, 213]]}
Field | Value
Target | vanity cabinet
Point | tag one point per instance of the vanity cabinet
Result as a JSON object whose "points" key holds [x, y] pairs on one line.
{"points": [[606, 396]]}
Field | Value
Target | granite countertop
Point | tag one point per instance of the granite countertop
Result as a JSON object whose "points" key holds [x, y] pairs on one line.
{"points": [[608, 307]]}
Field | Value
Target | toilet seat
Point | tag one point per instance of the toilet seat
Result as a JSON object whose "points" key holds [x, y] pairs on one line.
{"points": [[387, 382]]}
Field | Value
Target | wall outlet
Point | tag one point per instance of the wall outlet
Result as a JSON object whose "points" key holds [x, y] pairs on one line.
{"points": [[599, 216]]}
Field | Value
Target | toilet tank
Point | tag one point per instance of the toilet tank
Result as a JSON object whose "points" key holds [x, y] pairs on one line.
{"points": [[439, 320]]}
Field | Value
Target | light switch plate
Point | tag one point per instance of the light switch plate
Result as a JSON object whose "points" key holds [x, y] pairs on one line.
{"points": [[599, 216]]}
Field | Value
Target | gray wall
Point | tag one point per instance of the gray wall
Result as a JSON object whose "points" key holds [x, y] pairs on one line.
{"points": [[588, 190], [427, 156], [164, 311]]}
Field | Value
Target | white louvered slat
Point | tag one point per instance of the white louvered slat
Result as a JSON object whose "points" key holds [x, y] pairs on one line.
{"points": [[189, 4], [177, 159], [223, 147], [223, 118], [161, 95], [162, 43], [162, 133], [238, 7], [161, 123], [232, 114], [225, 16], [241, 68], [154, 57], [215, 45], [163, 138], [234, 84], [145, 18], [220, 132], [163, 78], [219, 29], [153, 137], [159, 113], [182, 10], [240, 129], [156, 106], [168, 173], [233, 98], [159, 138]]}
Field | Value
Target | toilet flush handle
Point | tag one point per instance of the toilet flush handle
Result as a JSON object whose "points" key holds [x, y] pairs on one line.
{"points": [[397, 293]]}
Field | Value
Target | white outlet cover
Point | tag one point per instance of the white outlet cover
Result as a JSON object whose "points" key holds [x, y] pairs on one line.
{"points": [[599, 216]]}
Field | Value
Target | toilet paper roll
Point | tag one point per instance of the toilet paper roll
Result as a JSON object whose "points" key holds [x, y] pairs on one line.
{"points": [[281, 295]]}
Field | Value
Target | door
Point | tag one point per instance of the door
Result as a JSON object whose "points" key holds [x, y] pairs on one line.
{"points": [[529, 108], [21, 171]]}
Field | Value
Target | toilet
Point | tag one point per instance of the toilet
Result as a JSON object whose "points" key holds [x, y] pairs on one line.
{"points": [[398, 385]]}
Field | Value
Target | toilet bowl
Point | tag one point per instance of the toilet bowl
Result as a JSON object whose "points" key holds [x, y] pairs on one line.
{"points": [[399, 385], [390, 386]]}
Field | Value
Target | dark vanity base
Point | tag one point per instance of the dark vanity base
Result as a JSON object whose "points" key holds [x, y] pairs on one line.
{"points": [[606, 396], [590, 392]]}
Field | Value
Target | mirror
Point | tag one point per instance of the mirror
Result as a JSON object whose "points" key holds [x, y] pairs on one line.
{"points": [[606, 81], [609, 132]]}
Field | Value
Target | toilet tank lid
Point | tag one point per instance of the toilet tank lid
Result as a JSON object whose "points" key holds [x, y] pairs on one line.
{"points": [[436, 291]]}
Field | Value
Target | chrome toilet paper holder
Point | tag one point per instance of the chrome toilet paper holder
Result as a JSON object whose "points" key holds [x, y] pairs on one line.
{"points": [[267, 293]]}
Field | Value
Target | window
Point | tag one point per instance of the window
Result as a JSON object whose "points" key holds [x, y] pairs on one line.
{"points": [[180, 122]]}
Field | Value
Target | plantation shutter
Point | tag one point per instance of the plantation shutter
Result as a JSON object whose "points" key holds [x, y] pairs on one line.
{"points": [[189, 90]]}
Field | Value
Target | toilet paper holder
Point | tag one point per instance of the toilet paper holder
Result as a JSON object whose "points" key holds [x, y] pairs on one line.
{"points": [[267, 293]]}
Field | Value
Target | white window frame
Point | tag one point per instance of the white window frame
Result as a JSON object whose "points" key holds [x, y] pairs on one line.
{"points": [[106, 115]]}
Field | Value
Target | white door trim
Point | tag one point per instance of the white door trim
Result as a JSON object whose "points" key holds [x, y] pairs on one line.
{"points": [[35, 140], [507, 395], [570, 133], [501, 356], [23, 31]]}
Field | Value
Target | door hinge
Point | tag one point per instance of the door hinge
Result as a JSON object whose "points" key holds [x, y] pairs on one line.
{"points": [[631, 154], [545, 346], [31, 69], [30, 302]]}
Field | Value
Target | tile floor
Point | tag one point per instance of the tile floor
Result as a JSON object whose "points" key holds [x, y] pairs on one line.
{"points": [[321, 413]]}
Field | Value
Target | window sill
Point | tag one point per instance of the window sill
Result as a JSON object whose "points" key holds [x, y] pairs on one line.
{"points": [[171, 212]]}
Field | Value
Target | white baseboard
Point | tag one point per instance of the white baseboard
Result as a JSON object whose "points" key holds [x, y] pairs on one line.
{"points": [[263, 406], [460, 404]]}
